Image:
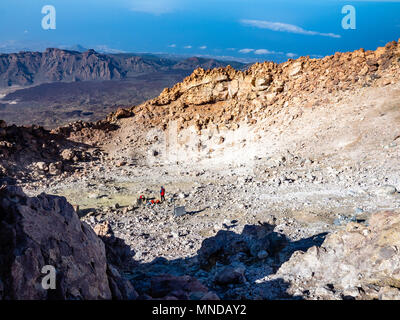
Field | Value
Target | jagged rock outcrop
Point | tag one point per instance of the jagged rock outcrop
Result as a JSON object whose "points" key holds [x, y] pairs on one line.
{"points": [[26, 68], [225, 96], [358, 262]]}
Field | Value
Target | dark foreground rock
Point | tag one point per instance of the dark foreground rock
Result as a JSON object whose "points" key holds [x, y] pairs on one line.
{"points": [[46, 231]]}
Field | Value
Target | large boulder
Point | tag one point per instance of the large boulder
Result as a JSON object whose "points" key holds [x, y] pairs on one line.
{"points": [[46, 231], [358, 262]]}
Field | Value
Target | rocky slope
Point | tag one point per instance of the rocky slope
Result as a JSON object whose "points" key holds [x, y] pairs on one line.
{"points": [[268, 109], [267, 162], [32, 153], [227, 96]]}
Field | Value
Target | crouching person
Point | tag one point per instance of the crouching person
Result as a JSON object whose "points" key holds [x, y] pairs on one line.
{"points": [[141, 201]]}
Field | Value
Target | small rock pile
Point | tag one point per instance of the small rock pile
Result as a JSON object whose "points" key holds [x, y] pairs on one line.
{"points": [[35, 153]]}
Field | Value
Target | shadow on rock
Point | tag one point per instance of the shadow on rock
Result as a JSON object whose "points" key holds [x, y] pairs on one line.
{"points": [[232, 265]]}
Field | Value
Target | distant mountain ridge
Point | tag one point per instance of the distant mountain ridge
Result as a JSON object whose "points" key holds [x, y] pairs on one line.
{"points": [[58, 65]]}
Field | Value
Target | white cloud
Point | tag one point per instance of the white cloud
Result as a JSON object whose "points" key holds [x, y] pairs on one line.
{"points": [[172, 45], [291, 55], [246, 50], [285, 27], [259, 51], [203, 47], [188, 47], [265, 51]]}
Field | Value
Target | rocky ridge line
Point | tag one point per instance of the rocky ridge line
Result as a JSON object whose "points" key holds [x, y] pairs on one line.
{"points": [[225, 96]]}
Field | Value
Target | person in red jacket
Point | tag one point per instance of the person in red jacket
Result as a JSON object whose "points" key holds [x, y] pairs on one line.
{"points": [[162, 194]]}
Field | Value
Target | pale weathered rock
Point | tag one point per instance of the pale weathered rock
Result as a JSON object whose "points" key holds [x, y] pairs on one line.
{"points": [[68, 154], [42, 166], [386, 190], [264, 83], [122, 113], [359, 256], [102, 229]]}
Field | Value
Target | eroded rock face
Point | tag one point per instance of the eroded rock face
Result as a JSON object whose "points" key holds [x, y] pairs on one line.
{"points": [[26, 68], [45, 230], [359, 262]]}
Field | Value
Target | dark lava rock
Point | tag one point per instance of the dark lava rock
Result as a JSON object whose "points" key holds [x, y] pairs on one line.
{"points": [[46, 231]]}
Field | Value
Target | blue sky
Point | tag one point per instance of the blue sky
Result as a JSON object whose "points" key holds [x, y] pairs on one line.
{"points": [[243, 29]]}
